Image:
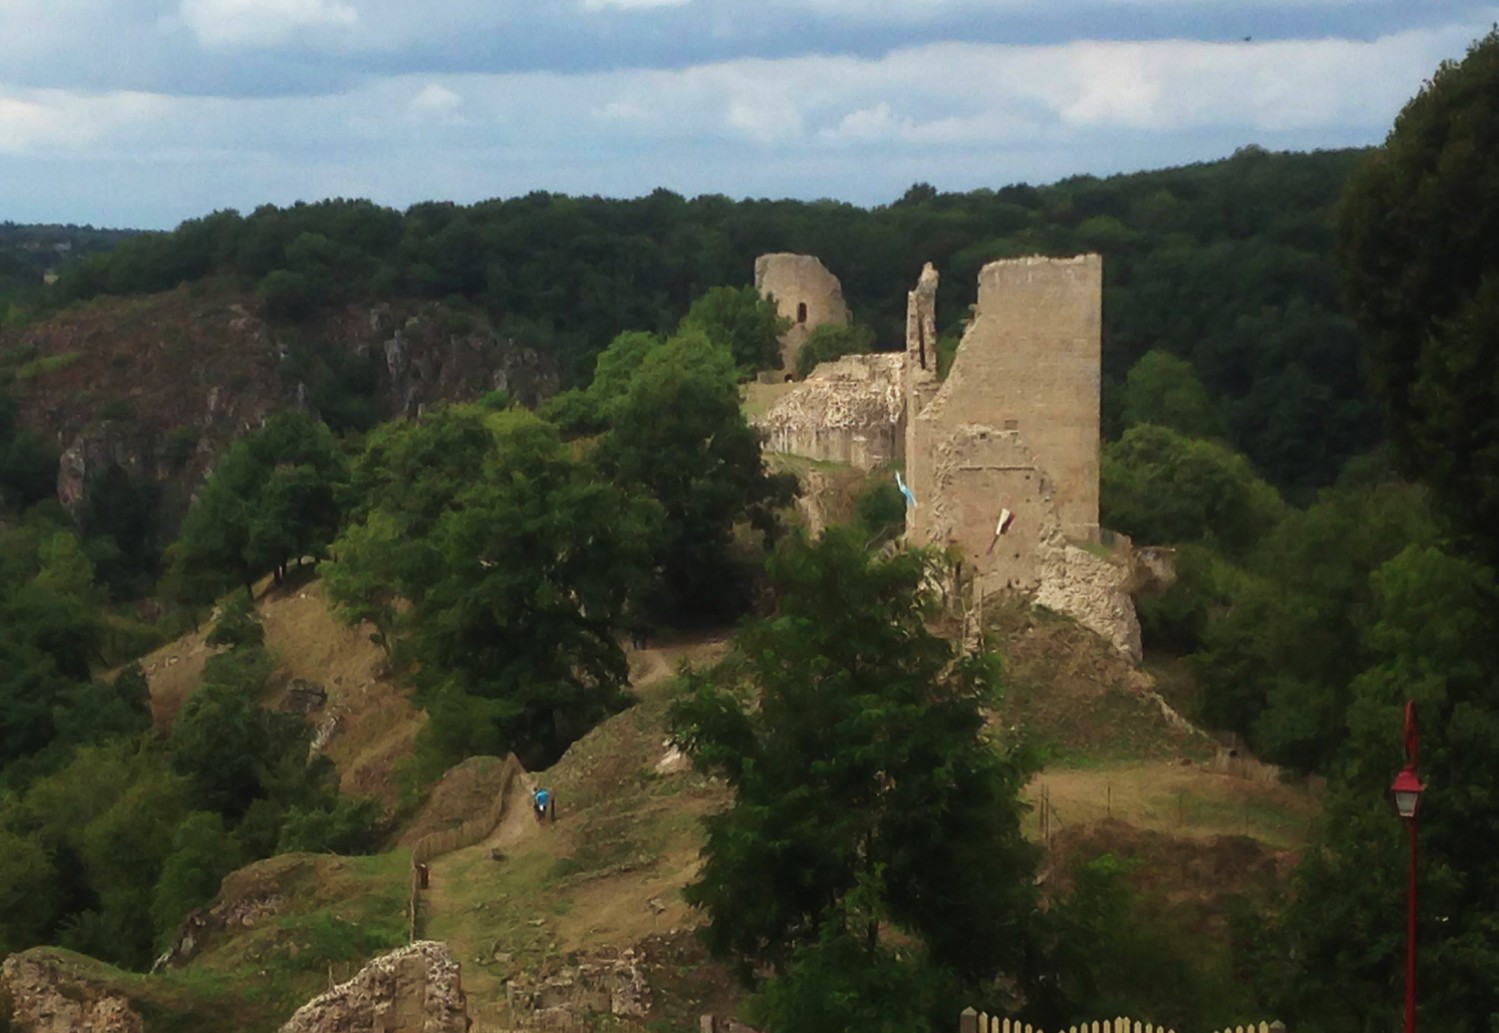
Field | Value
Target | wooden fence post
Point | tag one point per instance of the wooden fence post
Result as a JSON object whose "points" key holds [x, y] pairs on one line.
{"points": [[968, 1021]]}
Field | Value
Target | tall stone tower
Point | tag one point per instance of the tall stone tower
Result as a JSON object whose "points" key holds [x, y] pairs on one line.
{"points": [[1014, 427], [805, 293]]}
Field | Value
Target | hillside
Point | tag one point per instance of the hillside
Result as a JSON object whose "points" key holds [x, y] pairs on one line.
{"points": [[158, 386], [547, 918]]}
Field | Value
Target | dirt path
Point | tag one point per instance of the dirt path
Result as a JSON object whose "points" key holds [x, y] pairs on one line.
{"points": [[459, 879]]}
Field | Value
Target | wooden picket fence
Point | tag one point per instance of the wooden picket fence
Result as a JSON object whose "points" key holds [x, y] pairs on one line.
{"points": [[979, 1022]]}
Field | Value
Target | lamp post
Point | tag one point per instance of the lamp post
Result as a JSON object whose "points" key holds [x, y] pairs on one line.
{"points": [[1407, 790]]}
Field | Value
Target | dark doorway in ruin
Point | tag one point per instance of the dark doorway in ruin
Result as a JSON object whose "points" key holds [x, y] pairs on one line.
{"points": [[801, 312]]}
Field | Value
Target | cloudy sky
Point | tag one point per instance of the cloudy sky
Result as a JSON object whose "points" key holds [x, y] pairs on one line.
{"points": [[146, 112]]}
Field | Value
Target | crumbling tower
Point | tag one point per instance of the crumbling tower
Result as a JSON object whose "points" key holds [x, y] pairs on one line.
{"points": [[805, 293], [1014, 427]]}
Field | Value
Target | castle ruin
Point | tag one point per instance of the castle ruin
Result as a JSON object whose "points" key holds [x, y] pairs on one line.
{"points": [[1001, 456], [805, 293]]}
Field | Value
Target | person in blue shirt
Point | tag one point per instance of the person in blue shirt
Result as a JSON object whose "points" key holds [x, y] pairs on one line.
{"points": [[541, 799]]}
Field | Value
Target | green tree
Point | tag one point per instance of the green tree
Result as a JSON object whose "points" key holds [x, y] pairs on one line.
{"points": [[679, 434], [1415, 235], [1161, 488], [843, 981], [203, 852], [233, 750], [739, 319], [1286, 638], [828, 341], [272, 499], [105, 820], [515, 627], [348, 826], [1164, 390], [853, 740], [1433, 640], [29, 900]]}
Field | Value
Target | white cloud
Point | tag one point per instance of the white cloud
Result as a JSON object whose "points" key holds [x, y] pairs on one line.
{"points": [[436, 98], [631, 5], [955, 114], [262, 23], [50, 121]]}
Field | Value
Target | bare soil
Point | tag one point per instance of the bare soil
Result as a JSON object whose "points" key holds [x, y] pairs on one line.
{"points": [[377, 722]]}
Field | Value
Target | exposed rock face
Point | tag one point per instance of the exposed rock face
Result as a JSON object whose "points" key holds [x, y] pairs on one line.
{"points": [[106, 445], [424, 364], [851, 411], [159, 387], [416, 989], [805, 293], [48, 998], [303, 696]]}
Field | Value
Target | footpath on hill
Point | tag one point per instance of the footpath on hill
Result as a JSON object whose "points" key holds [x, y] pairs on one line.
{"points": [[602, 877]]}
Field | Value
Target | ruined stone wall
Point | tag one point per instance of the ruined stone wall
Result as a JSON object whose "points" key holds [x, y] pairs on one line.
{"points": [[1028, 363], [850, 411], [416, 989], [805, 293], [1015, 427]]}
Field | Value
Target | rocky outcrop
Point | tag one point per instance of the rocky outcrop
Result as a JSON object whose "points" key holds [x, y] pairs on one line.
{"points": [[424, 361], [48, 995], [303, 696], [417, 989], [100, 448], [158, 388]]}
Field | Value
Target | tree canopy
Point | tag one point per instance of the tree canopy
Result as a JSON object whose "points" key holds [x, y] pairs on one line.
{"points": [[1416, 235], [853, 741]]}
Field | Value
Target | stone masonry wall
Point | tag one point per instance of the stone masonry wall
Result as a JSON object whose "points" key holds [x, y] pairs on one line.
{"points": [[1029, 363], [850, 411], [805, 293], [416, 989], [1015, 426]]}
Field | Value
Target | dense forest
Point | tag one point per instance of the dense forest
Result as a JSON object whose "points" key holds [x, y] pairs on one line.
{"points": [[1328, 572], [1227, 265]]}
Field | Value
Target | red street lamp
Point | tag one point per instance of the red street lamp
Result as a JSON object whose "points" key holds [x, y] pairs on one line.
{"points": [[1407, 790]]}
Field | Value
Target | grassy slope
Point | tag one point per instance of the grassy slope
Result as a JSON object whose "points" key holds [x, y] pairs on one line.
{"points": [[330, 915], [609, 872]]}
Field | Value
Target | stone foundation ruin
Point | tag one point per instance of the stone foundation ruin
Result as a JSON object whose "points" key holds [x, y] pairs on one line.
{"points": [[1002, 457]]}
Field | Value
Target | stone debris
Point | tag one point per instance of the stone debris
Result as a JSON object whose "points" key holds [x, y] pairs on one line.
{"points": [[604, 983], [47, 998], [416, 989], [850, 410]]}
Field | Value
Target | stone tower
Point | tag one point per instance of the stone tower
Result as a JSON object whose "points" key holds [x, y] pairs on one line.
{"points": [[805, 293], [1015, 425]]}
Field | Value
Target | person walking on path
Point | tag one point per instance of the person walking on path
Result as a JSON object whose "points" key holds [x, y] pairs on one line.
{"points": [[541, 801]]}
